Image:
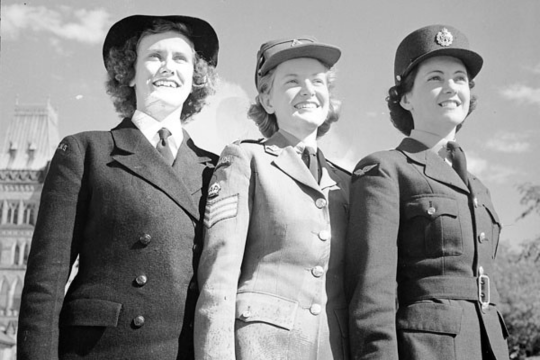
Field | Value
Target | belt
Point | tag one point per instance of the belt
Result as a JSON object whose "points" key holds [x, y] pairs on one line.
{"points": [[449, 287]]}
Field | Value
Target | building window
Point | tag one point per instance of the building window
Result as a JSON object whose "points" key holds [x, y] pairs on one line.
{"points": [[29, 214], [12, 212], [16, 303], [4, 295]]}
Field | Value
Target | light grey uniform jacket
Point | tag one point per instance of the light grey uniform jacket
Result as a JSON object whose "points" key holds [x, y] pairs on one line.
{"points": [[271, 272]]}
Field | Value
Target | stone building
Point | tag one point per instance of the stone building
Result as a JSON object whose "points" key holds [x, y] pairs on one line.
{"points": [[27, 145]]}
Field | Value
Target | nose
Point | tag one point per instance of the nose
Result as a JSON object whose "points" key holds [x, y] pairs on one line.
{"points": [[307, 88], [450, 86], [166, 67]]}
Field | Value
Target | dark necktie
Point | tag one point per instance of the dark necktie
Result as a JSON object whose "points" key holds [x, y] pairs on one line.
{"points": [[309, 156], [459, 162], [163, 146]]}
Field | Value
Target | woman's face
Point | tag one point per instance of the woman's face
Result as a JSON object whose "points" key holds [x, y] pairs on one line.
{"points": [[163, 73], [440, 97], [299, 96]]}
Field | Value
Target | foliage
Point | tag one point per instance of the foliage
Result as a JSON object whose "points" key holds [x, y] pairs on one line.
{"points": [[519, 285]]}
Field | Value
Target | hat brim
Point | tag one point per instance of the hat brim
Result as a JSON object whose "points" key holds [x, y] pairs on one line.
{"points": [[203, 36], [327, 54], [472, 61]]}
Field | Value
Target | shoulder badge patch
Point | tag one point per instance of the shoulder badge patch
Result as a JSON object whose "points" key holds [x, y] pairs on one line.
{"points": [[363, 171], [224, 161], [220, 209], [214, 190], [62, 147]]}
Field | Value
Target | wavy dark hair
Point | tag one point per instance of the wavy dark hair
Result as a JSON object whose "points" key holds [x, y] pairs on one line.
{"points": [[402, 118], [120, 66], [267, 123]]}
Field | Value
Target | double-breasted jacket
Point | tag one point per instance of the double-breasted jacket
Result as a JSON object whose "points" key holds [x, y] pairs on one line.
{"points": [[418, 234], [133, 221], [271, 272]]}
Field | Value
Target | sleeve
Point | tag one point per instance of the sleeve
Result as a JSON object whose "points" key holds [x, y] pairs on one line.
{"points": [[226, 223], [371, 260], [53, 252]]}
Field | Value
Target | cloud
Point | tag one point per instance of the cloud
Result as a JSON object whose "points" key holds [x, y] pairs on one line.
{"points": [[490, 172], [511, 143], [86, 26], [224, 118], [536, 69], [522, 94]]}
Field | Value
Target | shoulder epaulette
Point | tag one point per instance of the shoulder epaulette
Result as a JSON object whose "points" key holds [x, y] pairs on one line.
{"points": [[249, 141], [339, 167]]}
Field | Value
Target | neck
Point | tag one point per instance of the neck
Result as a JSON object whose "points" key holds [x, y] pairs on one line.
{"points": [[308, 138], [159, 112], [434, 141]]}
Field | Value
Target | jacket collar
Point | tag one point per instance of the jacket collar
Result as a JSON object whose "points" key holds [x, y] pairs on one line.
{"points": [[288, 161], [134, 152], [434, 165]]}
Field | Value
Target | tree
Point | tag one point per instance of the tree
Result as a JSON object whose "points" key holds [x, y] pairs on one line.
{"points": [[519, 285]]}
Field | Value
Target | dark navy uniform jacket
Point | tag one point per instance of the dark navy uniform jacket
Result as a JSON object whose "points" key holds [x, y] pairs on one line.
{"points": [[418, 234], [110, 199]]}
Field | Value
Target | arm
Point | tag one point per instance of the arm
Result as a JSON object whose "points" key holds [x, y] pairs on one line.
{"points": [[53, 251], [226, 224], [371, 261]]}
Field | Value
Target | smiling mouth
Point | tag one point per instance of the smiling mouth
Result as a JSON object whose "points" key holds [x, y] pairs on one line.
{"points": [[450, 104], [306, 106], [166, 83]]}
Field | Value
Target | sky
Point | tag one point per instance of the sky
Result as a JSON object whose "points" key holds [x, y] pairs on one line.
{"points": [[51, 51]]}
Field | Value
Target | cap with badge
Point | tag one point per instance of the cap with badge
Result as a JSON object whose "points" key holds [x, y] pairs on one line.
{"points": [[273, 53], [434, 40], [203, 36]]}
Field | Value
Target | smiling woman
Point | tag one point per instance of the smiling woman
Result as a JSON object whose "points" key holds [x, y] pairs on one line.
{"points": [[127, 202], [271, 271], [422, 230]]}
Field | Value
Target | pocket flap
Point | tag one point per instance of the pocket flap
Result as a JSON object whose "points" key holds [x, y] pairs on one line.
{"points": [[91, 312], [269, 308], [431, 317], [431, 207]]}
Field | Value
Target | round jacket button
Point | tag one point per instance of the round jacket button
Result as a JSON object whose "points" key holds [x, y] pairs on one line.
{"points": [[431, 210], [317, 271], [482, 237], [138, 321], [315, 309], [246, 314], [320, 203], [145, 239], [195, 248], [141, 280], [475, 202], [324, 235]]}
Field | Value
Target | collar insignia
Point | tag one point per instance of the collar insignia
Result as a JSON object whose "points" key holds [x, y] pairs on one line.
{"points": [[364, 170]]}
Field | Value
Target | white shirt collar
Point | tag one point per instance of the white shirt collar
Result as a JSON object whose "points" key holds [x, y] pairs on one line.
{"points": [[150, 127]]}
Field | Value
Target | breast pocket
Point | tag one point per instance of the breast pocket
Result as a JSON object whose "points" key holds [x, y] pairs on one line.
{"points": [[432, 227]]}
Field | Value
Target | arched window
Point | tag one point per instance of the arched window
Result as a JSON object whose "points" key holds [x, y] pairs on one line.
{"points": [[29, 214], [12, 213], [17, 255], [4, 294], [17, 292], [26, 253]]}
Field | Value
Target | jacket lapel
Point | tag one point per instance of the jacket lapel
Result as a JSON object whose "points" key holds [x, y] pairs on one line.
{"points": [[288, 161], [326, 174], [434, 166], [135, 153]]}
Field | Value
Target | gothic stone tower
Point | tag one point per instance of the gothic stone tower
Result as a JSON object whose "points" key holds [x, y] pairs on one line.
{"points": [[27, 146]]}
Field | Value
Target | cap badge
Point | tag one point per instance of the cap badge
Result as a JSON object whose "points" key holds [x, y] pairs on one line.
{"points": [[296, 42], [445, 37]]}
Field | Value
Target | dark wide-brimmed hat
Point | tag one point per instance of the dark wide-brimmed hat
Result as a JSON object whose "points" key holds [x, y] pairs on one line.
{"points": [[273, 53], [434, 40], [203, 36]]}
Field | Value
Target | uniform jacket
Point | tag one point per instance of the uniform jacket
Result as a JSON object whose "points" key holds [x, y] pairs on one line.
{"points": [[414, 221], [110, 199], [271, 272]]}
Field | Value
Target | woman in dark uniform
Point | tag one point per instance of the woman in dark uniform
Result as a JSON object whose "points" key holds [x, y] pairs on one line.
{"points": [[422, 230], [127, 202]]}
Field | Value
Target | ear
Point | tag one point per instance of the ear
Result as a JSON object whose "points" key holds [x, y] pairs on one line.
{"points": [[405, 103], [265, 100]]}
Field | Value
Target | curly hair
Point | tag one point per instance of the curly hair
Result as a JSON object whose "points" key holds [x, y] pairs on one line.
{"points": [[402, 118], [267, 123], [121, 71]]}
